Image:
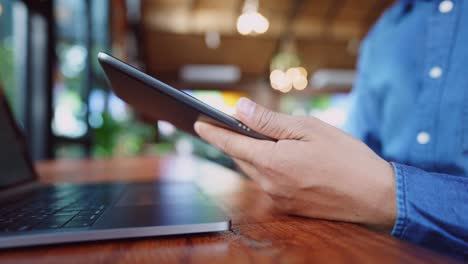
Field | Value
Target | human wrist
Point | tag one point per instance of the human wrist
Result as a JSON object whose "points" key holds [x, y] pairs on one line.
{"points": [[384, 205]]}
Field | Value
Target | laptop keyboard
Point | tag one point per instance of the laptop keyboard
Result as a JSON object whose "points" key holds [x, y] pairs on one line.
{"points": [[58, 208]]}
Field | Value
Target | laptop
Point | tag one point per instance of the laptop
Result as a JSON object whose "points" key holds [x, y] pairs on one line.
{"points": [[33, 214]]}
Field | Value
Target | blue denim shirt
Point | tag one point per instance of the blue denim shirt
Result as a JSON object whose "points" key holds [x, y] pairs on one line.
{"points": [[410, 105]]}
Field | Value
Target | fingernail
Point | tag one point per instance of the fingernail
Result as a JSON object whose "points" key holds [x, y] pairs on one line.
{"points": [[245, 107], [197, 126]]}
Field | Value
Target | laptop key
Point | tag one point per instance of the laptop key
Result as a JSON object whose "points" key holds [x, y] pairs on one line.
{"points": [[83, 217], [47, 226], [54, 222], [66, 213], [86, 213], [24, 228], [77, 224]]}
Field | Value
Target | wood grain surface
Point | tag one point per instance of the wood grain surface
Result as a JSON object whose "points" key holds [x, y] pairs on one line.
{"points": [[258, 235]]}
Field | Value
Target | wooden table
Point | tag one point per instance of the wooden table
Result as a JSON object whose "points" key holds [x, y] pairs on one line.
{"points": [[258, 235]]}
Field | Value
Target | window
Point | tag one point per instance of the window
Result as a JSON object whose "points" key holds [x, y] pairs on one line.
{"points": [[79, 91], [88, 119]]}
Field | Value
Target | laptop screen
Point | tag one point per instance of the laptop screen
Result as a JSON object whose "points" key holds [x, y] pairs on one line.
{"points": [[15, 167]]}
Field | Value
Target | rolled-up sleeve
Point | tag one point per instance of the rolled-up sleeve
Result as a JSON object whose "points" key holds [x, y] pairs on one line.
{"points": [[432, 209]]}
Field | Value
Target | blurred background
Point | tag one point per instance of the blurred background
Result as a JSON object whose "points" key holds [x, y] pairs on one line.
{"points": [[294, 56]]}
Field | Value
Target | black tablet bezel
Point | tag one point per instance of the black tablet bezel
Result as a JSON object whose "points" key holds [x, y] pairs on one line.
{"points": [[180, 96]]}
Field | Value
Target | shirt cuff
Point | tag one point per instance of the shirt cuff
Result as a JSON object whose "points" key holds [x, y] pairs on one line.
{"points": [[401, 219]]}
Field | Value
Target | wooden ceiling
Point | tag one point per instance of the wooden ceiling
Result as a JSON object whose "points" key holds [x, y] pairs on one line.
{"points": [[326, 33]]}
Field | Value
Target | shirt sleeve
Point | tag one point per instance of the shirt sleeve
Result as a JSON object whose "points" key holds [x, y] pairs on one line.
{"points": [[432, 209]]}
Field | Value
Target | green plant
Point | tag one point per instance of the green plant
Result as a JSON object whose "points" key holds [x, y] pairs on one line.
{"points": [[7, 70]]}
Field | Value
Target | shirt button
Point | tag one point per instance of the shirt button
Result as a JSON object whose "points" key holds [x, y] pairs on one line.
{"points": [[423, 138], [445, 6], [435, 72]]}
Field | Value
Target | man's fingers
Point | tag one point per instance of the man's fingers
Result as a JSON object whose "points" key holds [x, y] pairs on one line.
{"points": [[248, 169], [233, 144], [267, 122]]}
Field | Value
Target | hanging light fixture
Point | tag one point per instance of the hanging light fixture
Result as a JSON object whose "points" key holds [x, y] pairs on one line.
{"points": [[286, 72], [251, 22]]}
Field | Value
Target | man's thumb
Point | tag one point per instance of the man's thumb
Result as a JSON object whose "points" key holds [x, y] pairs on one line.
{"points": [[265, 121]]}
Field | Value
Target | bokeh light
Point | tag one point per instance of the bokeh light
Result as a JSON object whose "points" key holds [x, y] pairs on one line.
{"points": [[73, 60], [252, 23], [295, 77]]}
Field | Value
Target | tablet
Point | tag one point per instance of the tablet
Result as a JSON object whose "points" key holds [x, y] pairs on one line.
{"points": [[160, 101]]}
